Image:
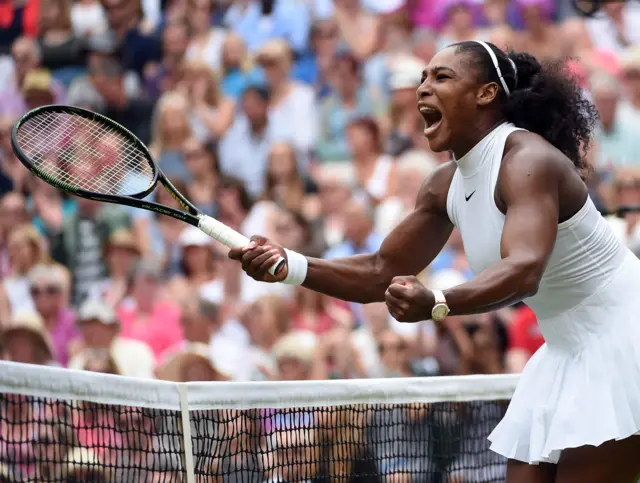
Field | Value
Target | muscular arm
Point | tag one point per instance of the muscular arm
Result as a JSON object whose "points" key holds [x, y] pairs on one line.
{"points": [[529, 186], [407, 250]]}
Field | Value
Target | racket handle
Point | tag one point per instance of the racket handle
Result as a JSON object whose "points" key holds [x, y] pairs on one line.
{"points": [[231, 238]]}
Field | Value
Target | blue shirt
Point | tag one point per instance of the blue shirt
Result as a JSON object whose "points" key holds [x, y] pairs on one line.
{"points": [[290, 20], [348, 249]]}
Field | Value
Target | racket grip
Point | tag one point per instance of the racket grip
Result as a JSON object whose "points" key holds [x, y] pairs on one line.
{"points": [[231, 238]]}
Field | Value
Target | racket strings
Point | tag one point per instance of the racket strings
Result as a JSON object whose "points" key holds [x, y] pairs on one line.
{"points": [[80, 153]]}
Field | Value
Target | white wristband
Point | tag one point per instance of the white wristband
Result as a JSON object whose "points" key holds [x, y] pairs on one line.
{"points": [[297, 265]]}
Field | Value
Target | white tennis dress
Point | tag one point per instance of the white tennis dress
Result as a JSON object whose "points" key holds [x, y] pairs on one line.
{"points": [[582, 387]]}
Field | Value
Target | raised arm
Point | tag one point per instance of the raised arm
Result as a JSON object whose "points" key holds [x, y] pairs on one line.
{"points": [[407, 250]]}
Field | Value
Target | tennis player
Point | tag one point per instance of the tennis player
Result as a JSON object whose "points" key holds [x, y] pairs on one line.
{"points": [[517, 131]]}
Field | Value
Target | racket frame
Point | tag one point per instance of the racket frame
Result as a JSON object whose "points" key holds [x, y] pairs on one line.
{"points": [[191, 214]]}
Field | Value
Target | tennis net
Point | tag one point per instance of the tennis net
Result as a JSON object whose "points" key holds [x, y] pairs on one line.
{"points": [[59, 425]]}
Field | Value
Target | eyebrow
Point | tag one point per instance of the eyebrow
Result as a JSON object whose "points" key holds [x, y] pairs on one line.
{"points": [[437, 68]]}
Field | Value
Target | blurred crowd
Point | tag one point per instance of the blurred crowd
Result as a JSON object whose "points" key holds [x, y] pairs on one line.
{"points": [[294, 119]]}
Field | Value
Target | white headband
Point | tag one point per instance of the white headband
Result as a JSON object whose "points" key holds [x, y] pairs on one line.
{"points": [[494, 59]]}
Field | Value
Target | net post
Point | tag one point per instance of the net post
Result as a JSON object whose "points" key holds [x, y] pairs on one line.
{"points": [[187, 445]]}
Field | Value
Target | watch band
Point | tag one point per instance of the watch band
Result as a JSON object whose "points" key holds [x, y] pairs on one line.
{"points": [[439, 297]]}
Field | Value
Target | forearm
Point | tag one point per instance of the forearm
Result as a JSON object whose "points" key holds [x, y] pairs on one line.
{"points": [[360, 278], [503, 284]]}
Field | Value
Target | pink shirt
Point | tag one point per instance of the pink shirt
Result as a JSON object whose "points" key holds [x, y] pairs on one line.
{"points": [[160, 329]]}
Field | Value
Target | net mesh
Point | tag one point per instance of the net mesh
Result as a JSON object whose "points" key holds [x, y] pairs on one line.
{"points": [[75, 152], [64, 426]]}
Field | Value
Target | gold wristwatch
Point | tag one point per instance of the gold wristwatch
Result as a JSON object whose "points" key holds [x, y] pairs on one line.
{"points": [[440, 309]]}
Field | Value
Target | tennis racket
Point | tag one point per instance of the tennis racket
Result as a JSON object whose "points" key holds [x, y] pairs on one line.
{"points": [[89, 155]]}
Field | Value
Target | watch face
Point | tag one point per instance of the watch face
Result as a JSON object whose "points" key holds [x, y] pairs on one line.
{"points": [[439, 312]]}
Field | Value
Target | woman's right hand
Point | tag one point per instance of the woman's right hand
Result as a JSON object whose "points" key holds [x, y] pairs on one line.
{"points": [[258, 256]]}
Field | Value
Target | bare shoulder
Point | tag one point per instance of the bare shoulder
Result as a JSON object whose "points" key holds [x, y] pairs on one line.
{"points": [[531, 165], [433, 194], [528, 155]]}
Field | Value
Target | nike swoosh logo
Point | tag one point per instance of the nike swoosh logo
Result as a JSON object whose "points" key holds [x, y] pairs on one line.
{"points": [[467, 198]]}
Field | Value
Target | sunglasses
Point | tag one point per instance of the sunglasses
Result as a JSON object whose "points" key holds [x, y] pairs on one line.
{"points": [[48, 290]]}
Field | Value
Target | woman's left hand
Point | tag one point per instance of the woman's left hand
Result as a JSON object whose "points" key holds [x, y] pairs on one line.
{"points": [[408, 300]]}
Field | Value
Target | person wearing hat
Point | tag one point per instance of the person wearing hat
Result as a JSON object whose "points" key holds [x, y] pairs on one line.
{"points": [[190, 365], [198, 267], [630, 70], [104, 350], [49, 287], [25, 339], [37, 88], [294, 355]]}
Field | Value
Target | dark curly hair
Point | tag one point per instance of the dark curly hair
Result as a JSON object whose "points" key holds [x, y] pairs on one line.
{"points": [[543, 99]]}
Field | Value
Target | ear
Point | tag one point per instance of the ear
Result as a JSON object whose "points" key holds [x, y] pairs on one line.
{"points": [[487, 93]]}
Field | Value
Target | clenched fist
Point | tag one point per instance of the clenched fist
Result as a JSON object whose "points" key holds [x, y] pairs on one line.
{"points": [[258, 256], [408, 300]]}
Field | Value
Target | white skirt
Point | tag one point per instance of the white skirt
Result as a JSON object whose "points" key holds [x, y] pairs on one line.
{"points": [[582, 387]]}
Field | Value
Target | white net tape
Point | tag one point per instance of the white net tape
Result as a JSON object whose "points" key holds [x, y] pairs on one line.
{"points": [[80, 153]]}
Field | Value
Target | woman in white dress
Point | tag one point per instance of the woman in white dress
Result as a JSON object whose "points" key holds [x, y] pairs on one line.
{"points": [[517, 131]]}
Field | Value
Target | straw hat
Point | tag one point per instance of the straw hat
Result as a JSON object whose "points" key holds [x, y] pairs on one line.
{"points": [[298, 345], [123, 239], [174, 368], [32, 323], [37, 80], [630, 59], [99, 311]]}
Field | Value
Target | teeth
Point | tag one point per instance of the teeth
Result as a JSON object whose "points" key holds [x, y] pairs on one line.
{"points": [[427, 110]]}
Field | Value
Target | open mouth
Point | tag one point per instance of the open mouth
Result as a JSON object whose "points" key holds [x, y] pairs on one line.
{"points": [[432, 118]]}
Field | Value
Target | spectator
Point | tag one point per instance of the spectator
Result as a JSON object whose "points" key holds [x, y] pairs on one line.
{"points": [[79, 242], [211, 113], [626, 192], [457, 23], [359, 29], [13, 176], [373, 170], [412, 170], [258, 22], [135, 47], [191, 365], [406, 122], [350, 100], [100, 342], [171, 127], [293, 353], [121, 253], [206, 42], [165, 75], [202, 324], [525, 339], [202, 163], [334, 191], [49, 287], [266, 320], [394, 354], [284, 183], [49, 206], [111, 91], [25, 339], [198, 260], [88, 19], [26, 57], [25, 250], [12, 213], [244, 149], [292, 113], [158, 234], [615, 138], [237, 70], [314, 67], [613, 28], [148, 318], [62, 52], [37, 89]]}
